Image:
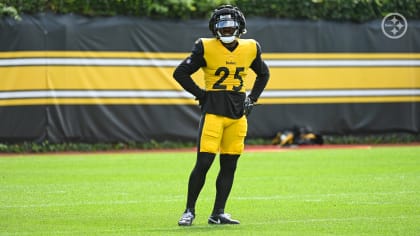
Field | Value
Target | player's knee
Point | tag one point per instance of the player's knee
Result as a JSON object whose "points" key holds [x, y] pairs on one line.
{"points": [[228, 162]]}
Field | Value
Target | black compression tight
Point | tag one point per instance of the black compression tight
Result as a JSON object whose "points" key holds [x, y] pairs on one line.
{"points": [[224, 180], [198, 177]]}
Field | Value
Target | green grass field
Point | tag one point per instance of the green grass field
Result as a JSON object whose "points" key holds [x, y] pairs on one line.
{"points": [[303, 192]]}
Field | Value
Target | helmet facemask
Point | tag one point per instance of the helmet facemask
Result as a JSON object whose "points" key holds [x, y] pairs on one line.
{"points": [[227, 23], [227, 29]]}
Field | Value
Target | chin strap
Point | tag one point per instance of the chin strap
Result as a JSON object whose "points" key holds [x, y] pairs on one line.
{"points": [[228, 39]]}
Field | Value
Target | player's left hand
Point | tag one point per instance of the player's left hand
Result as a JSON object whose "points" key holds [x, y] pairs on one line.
{"points": [[248, 105]]}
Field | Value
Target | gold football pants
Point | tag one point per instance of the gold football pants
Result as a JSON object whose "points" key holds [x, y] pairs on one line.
{"points": [[222, 135]]}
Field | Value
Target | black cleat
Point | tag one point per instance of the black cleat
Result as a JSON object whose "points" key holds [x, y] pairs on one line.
{"points": [[223, 218], [186, 219]]}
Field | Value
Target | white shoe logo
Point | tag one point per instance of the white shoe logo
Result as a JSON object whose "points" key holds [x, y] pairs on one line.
{"points": [[215, 221]]}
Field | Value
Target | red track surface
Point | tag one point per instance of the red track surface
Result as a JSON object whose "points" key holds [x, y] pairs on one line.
{"points": [[248, 148], [277, 148]]}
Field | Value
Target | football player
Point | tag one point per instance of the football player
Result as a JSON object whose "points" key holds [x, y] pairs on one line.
{"points": [[225, 60]]}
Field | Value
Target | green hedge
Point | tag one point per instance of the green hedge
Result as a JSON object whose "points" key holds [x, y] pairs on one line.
{"points": [[46, 147], [342, 10], [9, 11]]}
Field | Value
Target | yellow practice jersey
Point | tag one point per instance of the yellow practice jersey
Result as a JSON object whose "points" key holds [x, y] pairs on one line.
{"points": [[226, 70]]}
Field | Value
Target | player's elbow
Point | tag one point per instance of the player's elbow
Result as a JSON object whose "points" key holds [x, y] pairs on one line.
{"points": [[179, 74], [263, 77], [176, 73], [265, 74]]}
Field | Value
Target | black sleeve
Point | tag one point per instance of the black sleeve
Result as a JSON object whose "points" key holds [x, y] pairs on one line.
{"points": [[189, 66], [263, 74]]}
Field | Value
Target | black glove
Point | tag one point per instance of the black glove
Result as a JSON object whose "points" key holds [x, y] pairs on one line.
{"points": [[248, 105]]}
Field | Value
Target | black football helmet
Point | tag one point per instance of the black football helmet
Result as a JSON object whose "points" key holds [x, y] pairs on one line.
{"points": [[227, 23]]}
